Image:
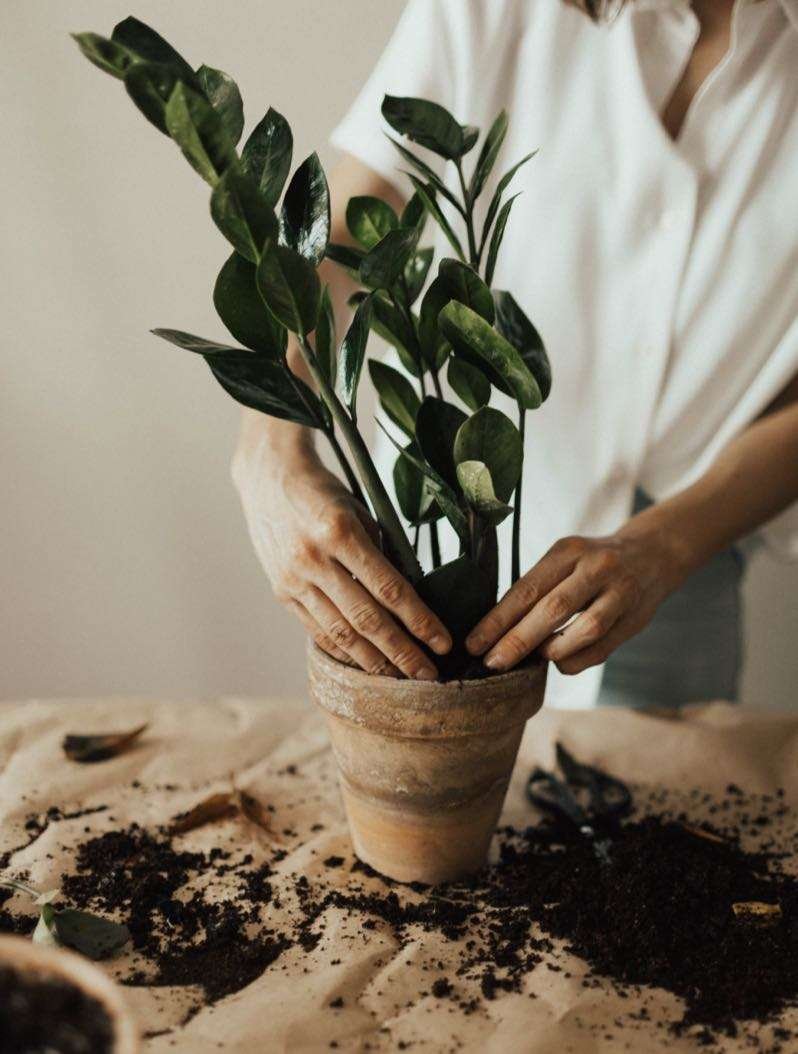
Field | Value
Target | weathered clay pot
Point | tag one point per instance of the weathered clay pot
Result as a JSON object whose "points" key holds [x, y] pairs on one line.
{"points": [[34, 960], [423, 766]]}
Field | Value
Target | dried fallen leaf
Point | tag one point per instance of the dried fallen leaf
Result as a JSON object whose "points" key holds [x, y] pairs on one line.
{"points": [[218, 806], [699, 832], [757, 911], [254, 811], [99, 747]]}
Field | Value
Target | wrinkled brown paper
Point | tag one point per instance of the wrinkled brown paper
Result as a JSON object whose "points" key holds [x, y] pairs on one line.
{"points": [[200, 746]]}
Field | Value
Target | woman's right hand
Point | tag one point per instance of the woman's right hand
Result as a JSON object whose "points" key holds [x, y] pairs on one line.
{"points": [[317, 545]]}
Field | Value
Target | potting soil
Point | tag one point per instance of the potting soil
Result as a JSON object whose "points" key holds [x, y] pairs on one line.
{"points": [[674, 903]]}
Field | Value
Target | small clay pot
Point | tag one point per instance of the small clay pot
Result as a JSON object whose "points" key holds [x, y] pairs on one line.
{"points": [[36, 961], [424, 766]]}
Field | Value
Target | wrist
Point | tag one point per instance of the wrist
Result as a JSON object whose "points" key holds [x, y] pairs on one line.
{"points": [[272, 449], [666, 531]]}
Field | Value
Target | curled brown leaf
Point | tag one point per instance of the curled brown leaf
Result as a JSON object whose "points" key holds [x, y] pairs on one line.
{"points": [[101, 747]]}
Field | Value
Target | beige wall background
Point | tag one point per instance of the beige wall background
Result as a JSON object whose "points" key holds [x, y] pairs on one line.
{"points": [[124, 561]]}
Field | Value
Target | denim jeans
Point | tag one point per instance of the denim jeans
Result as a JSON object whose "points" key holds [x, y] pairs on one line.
{"points": [[691, 651]]}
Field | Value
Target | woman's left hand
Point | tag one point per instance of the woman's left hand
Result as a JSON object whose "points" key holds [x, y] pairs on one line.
{"points": [[612, 585]]}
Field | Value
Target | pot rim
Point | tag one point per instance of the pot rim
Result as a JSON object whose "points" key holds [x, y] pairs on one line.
{"points": [[531, 670], [21, 955], [411, 709]]}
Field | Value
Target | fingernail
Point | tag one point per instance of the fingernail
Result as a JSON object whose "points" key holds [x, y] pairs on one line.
{"points": [[426, 673], [440, 644], [494, 661], [475, 643]]}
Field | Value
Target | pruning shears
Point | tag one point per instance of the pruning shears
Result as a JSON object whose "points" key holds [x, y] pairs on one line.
{"points": [[608, 798]]}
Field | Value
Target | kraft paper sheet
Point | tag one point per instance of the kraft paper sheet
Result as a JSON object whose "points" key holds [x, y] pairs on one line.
{"points": [[200, 746]]}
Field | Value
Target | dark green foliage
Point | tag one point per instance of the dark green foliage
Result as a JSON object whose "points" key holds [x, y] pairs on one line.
{"points": [[267, 155], [305, 218], [513, 324], [241, 308], [222, 93], [464, 468]]}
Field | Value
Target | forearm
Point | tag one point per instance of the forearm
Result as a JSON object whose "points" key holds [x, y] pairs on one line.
{"points": [[754, 478]]}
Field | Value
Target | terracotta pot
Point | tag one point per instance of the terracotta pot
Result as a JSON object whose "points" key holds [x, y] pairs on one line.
{"points": [[423, 766], [34, 960]]}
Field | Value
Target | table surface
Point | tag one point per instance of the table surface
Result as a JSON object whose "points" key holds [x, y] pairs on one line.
{"points": [[278, 751]]}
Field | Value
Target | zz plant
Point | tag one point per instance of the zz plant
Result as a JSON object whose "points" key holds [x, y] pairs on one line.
{"points": [[461, 463]]}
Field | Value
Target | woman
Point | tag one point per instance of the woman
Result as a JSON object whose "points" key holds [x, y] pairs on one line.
{"points": [[655, 248]]}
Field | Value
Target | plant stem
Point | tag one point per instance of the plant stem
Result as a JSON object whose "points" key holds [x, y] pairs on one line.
{"points": [[351, 478], [23, 887], [435, 545], [329, 431], [402, 550], [516, 559], [437, 384], [469, 218]]}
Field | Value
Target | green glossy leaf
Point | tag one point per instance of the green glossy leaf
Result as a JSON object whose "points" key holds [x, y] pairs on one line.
{"points": [[290, 288], [502, 185], [434, 301], [429, 174], [490, 437], [150, 85], [382, 266], [369, 219], [455, 281], [143, 41], [478, 342], [353, 353], [465, 580], [513, 324], [267, 155], [487, 156], [464, 285], [326, 343], [477, 486], [432, 207], [397, 395], [445, 496], [305, 217], [347, 256], [469, 383], [393, 327], [240, 213], [414, 493], [470, 136], [437, 424], [416, 271], [241, 308], [426, 123], [222, 93], [496, 238], [413, 214], [92, 936], [197, 129], [262, 384], [108, 55], [190, 342]]}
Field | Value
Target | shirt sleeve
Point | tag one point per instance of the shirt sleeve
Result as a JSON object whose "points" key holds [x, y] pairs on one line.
{"points": [[431, 56]]}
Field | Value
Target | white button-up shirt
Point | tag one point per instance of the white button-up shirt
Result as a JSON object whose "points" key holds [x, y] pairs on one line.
{"points": [[662, 275]]}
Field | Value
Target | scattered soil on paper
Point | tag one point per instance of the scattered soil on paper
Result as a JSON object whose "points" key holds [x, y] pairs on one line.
{"points": [[694, 896]]}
